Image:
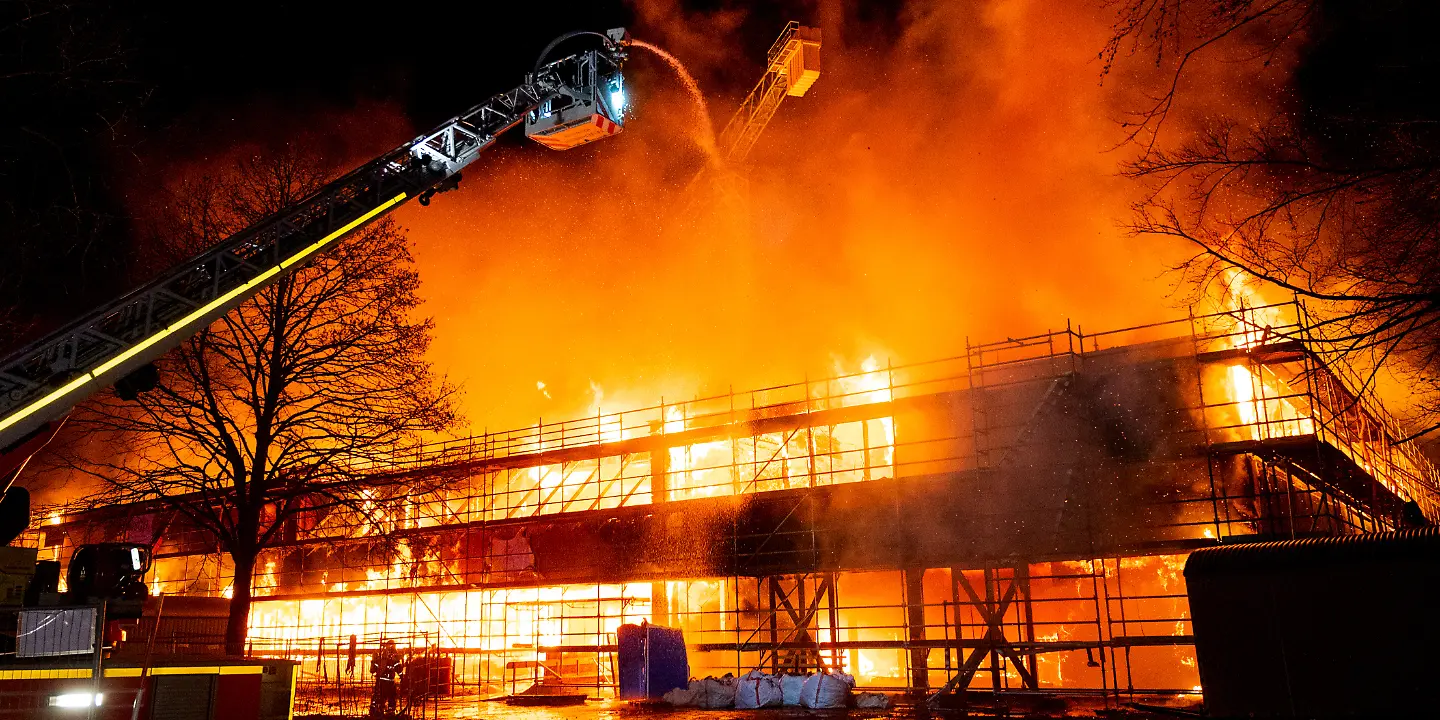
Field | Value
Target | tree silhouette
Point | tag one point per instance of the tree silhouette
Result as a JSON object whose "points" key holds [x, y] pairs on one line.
{"points": [[1334, 195], [272, 409]]}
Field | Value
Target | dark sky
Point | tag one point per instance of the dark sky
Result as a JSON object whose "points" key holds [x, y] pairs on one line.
{"points": [[195, 77], [428, 57], [434, 60], [123, 89]]}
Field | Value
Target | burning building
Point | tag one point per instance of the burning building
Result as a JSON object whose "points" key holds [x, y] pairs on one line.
{"points": [[1013, 519]]}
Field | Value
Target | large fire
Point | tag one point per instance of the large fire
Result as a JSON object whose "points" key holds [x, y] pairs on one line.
{"points": [[1076, 628], [498, 628], [1078, 604], [946, 177], [1267, 405]]}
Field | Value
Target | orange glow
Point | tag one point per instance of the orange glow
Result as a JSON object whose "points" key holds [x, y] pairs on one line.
{"points": [[1266, 407], [490, 620], [871, 219]]}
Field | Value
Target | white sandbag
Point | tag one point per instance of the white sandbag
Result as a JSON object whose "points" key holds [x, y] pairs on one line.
{"points": [[790, 688], [826, 690], [757, 690], [686, 696], [716, 693], [683, 697], [872, 701]]}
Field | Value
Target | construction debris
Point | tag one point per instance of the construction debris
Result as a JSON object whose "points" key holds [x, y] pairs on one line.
{"points": [[758, 689], [872, 701], [826, 690]]}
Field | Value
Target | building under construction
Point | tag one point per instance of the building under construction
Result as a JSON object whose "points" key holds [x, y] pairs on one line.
{"points": [[1011, 520]]}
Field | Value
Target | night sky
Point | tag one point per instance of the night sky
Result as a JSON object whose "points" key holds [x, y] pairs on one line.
{"points": [[126, 89], [180, 83], [960, 186], [430, 59]]}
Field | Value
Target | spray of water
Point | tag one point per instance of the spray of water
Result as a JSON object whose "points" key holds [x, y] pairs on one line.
{"points": [[704, 134]]}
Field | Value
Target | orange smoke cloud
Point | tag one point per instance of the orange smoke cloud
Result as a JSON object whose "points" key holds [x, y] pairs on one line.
{"points": [[952, 180]]}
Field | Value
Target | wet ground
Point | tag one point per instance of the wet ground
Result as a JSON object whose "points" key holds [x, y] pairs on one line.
{"points": [[616, 710]]}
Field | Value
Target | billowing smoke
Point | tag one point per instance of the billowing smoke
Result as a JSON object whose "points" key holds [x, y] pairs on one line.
{"points": [[950, 175]]}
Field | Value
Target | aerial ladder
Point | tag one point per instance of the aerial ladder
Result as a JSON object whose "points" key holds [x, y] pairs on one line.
{"points": [[792, 65], [563, 103]]}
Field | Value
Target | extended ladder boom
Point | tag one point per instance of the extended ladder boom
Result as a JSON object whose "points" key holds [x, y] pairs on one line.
{"points": [[41, 382], [792, 65]]}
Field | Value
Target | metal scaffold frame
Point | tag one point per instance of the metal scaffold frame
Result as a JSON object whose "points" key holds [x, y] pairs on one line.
{"points": [[1241, 430]]}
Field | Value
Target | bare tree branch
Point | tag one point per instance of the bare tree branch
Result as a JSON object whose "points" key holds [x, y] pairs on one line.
{"points": [[280, 401], [1335, 202]]}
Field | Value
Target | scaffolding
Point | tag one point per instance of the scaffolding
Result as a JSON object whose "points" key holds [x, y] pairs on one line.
{"points": [[1012, 520]]}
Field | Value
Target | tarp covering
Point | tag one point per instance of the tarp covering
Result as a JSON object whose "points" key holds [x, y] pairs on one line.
{"points": [[652, 661], [1320, 627]]}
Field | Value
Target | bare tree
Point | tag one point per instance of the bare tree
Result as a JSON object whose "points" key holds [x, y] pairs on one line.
{"points": [[273, 408], [1176, 34], [1334, 196]]}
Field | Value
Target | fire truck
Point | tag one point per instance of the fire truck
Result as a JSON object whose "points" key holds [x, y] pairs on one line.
{"points": [[83, 652]]}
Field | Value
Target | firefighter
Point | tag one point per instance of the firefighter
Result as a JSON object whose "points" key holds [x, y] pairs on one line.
{"points": [[385, 666]]}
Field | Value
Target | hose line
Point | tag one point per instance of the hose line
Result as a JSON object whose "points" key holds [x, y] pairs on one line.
{"points": [[573, 33]]}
